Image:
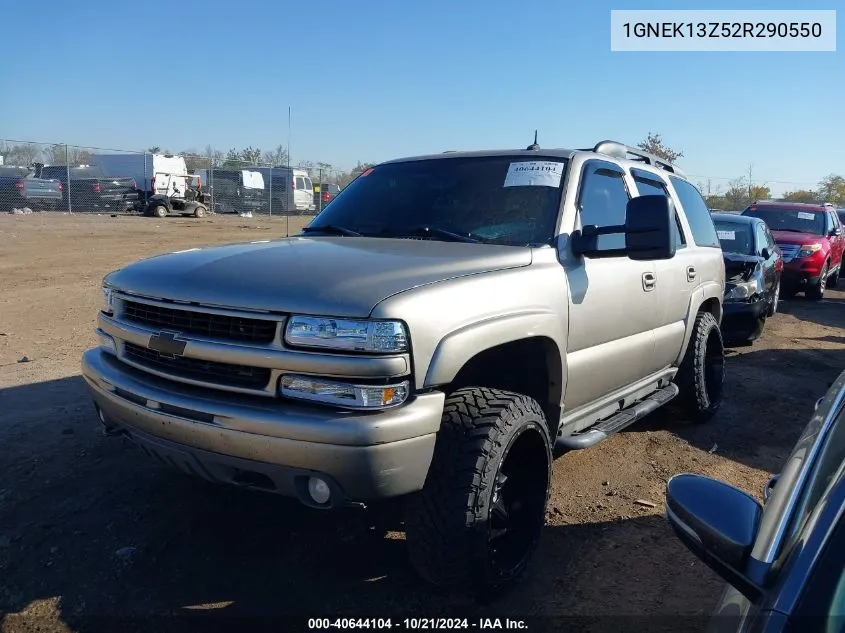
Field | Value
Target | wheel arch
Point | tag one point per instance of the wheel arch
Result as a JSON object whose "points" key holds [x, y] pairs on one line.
{"points": [[707, 298], [508, 355]]}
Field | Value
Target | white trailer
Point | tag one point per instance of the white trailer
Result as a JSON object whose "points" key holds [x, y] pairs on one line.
{"points": [[153, 173]]}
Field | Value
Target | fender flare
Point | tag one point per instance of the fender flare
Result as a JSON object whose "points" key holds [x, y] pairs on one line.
{"points": [[461, 345], [705, 292]]}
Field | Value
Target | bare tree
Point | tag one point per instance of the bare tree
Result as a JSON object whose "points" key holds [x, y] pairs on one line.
{"points": [[654, 144]]}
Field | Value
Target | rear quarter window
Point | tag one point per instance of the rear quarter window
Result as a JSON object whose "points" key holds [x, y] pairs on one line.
{"points": [[698, 215]]}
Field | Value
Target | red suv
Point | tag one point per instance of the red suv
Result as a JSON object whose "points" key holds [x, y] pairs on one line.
{"points": [[811, 241]]}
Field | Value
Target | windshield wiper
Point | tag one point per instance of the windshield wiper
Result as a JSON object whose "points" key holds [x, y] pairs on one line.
{"points": [[429, 231], [333, 229]]}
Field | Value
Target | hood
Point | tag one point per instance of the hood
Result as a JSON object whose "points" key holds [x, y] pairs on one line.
{"points": [[739, 267], [791, 237], [336, 276]]}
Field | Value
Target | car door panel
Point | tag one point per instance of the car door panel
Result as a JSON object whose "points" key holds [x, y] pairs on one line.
{"points": [[677, 279], [613, 300]]}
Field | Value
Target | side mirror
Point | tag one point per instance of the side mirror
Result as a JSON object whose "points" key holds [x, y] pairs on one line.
{"points": [[765, 254], [647, 230], [718, 523]]}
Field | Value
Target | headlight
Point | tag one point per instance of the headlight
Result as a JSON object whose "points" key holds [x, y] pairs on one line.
{"points": [[808, 249], [346, 334], [742, 291], [343, 394], [106, 307]]}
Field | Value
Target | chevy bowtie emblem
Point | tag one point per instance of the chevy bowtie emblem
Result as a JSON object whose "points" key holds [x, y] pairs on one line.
{"points": [[167, 344]]}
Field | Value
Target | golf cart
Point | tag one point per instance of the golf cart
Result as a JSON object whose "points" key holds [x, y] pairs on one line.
{"points": [[176, 202]]}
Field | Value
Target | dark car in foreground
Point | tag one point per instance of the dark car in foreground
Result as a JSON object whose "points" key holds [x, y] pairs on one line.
{"points": [[811, 240], [783, 560], [19, 189], [88, 189], [753, 268]]}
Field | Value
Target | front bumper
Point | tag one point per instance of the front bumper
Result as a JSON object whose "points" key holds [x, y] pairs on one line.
{"points": [[274, 446], [800, 273], [742, 319]]}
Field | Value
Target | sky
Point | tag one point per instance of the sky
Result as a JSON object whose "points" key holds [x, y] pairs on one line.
{"points": [[370, 81]]}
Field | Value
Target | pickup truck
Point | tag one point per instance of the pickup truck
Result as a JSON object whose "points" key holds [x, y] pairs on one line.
{"points": [[19, 189], [90, 190], [432, 338]]}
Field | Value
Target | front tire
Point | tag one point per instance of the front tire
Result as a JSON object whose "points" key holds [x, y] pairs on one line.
{"points": [[816, 293], [477, 522], [774, 307], [702, 373]]}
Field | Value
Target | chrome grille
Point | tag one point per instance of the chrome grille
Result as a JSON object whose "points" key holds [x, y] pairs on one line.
{"points": [[211, 372], [789, 251], [221, 326]]}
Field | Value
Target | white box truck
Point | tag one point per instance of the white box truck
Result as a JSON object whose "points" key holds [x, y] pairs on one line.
{"points": [[164, 174]]}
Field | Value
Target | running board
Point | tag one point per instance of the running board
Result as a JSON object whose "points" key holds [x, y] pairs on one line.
{"points": [[605, 428]]}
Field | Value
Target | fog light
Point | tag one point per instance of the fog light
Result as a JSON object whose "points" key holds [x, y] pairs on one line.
{"points": [[319, 490]]}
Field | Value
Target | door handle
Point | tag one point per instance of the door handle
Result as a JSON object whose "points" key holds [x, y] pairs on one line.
{"points": [[649, 281], [691, 273]]}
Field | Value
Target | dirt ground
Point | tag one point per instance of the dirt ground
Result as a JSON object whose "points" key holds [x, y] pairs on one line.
{"points": [[91, 530]]}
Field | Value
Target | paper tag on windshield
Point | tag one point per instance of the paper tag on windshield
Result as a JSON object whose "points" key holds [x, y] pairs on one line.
{"points": [[535, 173], [727, 235], [803, 215]]}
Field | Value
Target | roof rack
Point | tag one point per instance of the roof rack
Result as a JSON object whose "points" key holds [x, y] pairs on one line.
{"points": [[620, 150]]}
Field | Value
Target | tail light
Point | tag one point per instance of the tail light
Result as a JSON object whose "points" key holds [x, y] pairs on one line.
{"points": [[134, 185], [327, 196], [98, 187], [153, 184], [61, 187], [20, 185]]}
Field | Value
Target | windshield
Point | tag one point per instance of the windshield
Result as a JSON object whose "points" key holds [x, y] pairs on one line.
{"points": [[735, 237], [809, 221], [498, 199]]}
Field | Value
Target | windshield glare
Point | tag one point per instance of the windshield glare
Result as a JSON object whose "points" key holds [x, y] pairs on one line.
{"points": [[791, 220], [466, 196], [735, 237]]}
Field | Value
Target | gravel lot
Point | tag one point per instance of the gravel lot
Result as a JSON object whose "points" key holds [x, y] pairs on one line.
{"points": [[89, 526]]}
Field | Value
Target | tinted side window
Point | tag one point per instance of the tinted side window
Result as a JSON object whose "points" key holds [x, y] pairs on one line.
{"points": [[300, 182], [648, 185], [603, 199], [698, 215]]}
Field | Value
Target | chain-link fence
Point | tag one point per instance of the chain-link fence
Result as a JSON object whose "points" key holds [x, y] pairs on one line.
{"points": [[53, 176]]}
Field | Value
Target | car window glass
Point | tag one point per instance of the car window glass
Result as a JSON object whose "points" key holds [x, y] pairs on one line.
{"points": [[603, 200], [762, 239], [649, 185], [698, 215], [735, 237], [300, 182], [821, 474]]}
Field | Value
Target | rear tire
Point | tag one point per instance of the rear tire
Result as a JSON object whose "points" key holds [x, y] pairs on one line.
{"points": [[159, 211], [477, 522], [702, 373]]}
